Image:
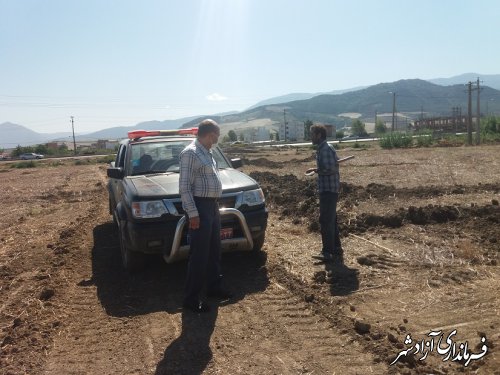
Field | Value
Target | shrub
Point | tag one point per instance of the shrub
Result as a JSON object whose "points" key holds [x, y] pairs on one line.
{"points": [[24, 164], [396, 140], [82, 161], [424, 139], [56, 163], [106, 159]]}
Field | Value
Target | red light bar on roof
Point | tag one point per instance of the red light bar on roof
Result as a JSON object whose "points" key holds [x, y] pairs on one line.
{"points": [[154, 133]]}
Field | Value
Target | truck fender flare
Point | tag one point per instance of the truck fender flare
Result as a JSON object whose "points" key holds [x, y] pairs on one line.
{"points": [[121, 213]]}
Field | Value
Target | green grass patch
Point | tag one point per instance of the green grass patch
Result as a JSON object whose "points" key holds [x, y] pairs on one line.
{"points": [[83, 162], [396, 140], [106, 159], [24, 164], [56, 163], [424, 139]]}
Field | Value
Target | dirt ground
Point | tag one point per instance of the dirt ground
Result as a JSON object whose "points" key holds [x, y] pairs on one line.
{"points": [[420, 232]]}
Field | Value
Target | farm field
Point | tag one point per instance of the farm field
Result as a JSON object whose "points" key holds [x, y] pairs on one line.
{"points": [[420, 231]]}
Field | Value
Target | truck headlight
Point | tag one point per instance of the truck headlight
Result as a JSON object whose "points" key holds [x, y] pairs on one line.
{"points": [[148, 209], [253, 197]]}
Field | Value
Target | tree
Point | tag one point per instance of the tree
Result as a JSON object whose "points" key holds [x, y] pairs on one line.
{"points": [[226, 139], [241, 137], [41, 149], [21, 150], [307, 130], [491, 125], [63, 148], [232, 135], [339, 134], [358, 128], [380, 127]]}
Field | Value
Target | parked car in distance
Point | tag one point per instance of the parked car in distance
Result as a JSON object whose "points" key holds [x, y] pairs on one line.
{"points": [[30, 156], [350, 138], [145, 203]]}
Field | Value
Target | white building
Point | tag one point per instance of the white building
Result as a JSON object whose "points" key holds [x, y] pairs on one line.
{"points": [[292, 131]]}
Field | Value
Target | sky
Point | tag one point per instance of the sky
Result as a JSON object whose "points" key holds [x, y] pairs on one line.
{"points": [[117, 63]]}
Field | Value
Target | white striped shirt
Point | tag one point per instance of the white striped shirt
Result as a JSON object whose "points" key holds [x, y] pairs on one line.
{"points": [[199, 176]]}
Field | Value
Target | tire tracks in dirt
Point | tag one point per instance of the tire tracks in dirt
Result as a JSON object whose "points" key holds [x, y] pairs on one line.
{"points": [[117, 324]]}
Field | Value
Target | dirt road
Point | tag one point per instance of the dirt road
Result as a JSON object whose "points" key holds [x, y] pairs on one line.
{"points": [[414, 265]]}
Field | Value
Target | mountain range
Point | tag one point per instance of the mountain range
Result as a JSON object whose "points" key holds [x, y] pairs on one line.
{"points": [[414, 98]]}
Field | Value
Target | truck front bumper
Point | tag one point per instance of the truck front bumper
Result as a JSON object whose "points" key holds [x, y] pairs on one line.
{"points": [[169, 237]]}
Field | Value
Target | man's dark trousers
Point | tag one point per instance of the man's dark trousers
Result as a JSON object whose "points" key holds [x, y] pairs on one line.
{"points": [[328, 220], [204, 257]]}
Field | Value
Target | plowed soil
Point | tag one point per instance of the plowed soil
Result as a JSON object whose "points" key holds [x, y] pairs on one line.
{"points": [[421, 236]]}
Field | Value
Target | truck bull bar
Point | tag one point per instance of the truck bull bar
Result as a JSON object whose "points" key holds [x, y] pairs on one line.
{"points": [[232, 244]]}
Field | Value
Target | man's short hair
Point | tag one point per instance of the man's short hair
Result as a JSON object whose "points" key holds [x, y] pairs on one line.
{"points": [[319, 129], [207, 126]]}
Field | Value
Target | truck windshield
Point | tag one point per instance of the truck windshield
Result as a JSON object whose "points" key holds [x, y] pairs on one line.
{"points": [[159, 157]]}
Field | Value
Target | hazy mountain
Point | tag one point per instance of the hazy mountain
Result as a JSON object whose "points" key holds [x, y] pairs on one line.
{"points": [[490, 80], [300, 96], [14, 135], [119, 132]]}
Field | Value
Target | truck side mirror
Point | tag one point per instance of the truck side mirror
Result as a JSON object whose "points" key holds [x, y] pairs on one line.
{"points": [[117, 173], [236, 163]]}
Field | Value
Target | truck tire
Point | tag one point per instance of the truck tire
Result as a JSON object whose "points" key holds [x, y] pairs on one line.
{"points": [[258, 243], [132, 261], [112, 211]]}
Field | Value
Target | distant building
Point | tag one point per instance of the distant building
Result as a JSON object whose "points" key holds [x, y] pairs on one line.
{"points": [[292, 131], [104, 144], [261, 134]]}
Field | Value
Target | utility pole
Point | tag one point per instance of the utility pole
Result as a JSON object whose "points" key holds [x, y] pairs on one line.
{"points": [[285, 124], [393, 110], [478, 120], [469, 114], [73, 128]]}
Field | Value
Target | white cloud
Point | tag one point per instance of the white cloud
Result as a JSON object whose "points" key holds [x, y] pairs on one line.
{"points": [[215, 97]]}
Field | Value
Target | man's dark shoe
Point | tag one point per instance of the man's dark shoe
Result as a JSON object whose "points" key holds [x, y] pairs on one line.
{"points": [[199, 307], [338, 260], [220, 293], [324, 257]]}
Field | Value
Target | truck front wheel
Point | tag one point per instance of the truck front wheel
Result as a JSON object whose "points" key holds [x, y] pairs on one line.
{"points": [[258, 242], [132, 261]]}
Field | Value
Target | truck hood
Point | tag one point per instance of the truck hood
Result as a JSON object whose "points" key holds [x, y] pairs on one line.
{"points": [[167, 185]]}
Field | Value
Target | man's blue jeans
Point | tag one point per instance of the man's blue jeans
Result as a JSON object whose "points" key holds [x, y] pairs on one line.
{"points": [[329, 228]]}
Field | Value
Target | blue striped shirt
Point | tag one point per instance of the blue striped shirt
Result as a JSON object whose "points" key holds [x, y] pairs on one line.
{"points": [[328, 168], [199, 176]]}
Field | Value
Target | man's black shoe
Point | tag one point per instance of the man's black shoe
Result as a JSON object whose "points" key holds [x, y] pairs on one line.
{"points": [[200, 307], [324, 257], [221, 294]]}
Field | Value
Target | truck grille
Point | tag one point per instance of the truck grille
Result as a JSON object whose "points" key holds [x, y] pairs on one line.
{"points": [[224, 202]]}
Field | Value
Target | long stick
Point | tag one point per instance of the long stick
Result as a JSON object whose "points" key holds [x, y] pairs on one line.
{"points": [[346, 158], [373, 243], [312, 171]]}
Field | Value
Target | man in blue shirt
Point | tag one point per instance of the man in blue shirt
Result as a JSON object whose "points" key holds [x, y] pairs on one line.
{"points": [[328, 187], [200, 188]]}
